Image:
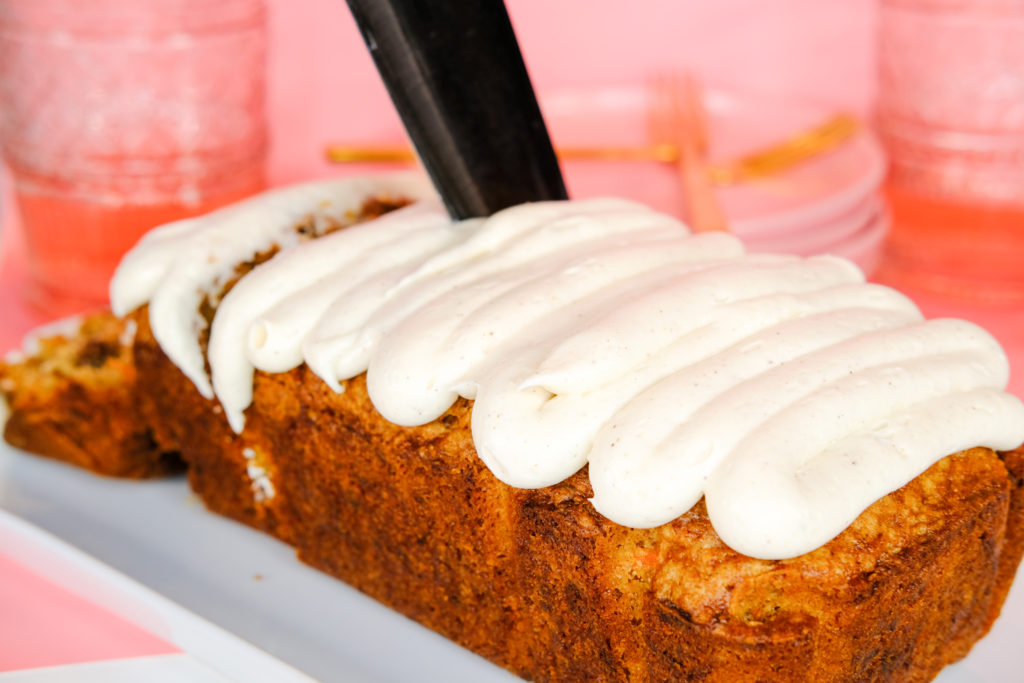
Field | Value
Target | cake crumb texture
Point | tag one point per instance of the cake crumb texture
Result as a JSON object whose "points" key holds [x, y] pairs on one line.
{"points": [[73, 398]]}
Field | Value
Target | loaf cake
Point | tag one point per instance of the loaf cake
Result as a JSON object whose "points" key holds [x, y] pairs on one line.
{"points": [[571, 437]]}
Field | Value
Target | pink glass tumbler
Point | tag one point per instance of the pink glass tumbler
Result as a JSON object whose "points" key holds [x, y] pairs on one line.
{"points": [[950, 113], [119, 115]]}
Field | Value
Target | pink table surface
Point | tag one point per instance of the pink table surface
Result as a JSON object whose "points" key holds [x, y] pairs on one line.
{"points": [[45, 625]]}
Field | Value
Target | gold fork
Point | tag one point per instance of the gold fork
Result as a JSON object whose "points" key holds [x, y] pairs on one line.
{"points": [[677, 116], [788, 153], [777, 158]]}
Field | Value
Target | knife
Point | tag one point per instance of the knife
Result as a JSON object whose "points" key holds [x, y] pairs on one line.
{"points": [[456, 76]]}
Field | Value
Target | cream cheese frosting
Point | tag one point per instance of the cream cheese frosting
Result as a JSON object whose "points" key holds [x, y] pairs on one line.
{"points": [[786, 391]]}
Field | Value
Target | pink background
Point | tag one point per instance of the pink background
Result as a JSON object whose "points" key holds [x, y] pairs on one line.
{"points": [[44, 625], [322, 84]]}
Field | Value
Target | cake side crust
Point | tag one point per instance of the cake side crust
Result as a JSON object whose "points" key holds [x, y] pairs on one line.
{"points": [[539, 583]]}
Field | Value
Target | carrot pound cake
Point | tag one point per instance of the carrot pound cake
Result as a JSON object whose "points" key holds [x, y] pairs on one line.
{"points": [[573, 437]]}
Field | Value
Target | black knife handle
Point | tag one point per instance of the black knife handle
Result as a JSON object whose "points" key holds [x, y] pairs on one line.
{"points": [[456, 76]]}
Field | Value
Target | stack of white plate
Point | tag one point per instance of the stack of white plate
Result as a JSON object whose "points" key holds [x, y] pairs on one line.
{"points": [[828, 203]]}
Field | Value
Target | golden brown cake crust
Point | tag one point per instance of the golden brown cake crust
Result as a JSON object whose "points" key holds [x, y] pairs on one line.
{"points": [[542, 585]]}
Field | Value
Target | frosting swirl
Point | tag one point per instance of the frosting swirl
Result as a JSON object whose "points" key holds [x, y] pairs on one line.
{"points": [[786, 391]]}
